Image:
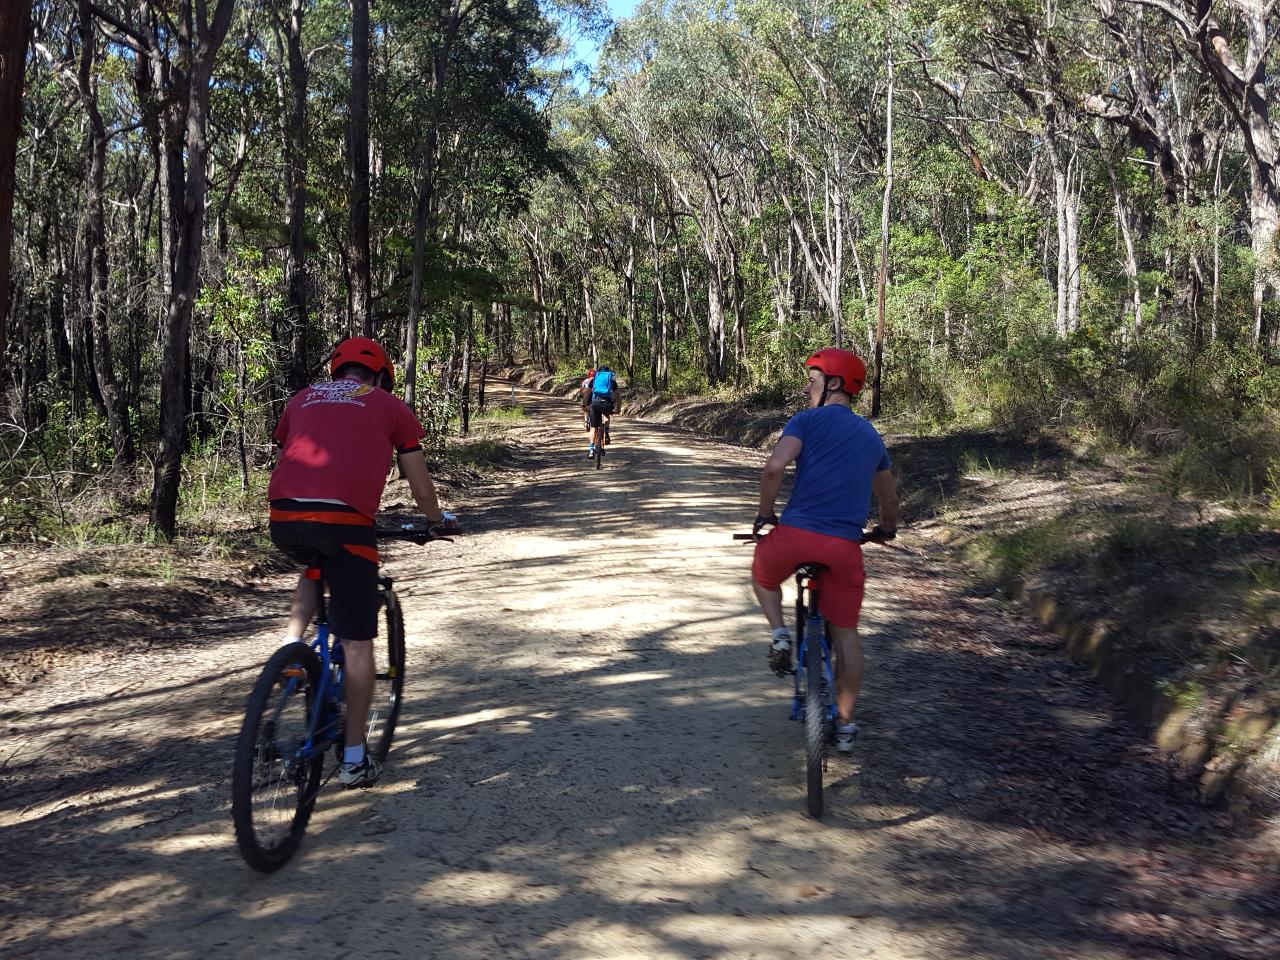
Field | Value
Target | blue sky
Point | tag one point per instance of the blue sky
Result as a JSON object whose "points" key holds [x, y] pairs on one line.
{"points": [[586, 50]]}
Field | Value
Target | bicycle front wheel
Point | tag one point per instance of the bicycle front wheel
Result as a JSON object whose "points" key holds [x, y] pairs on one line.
{"points": [[388, 683], [276, 773], [815, 714]]}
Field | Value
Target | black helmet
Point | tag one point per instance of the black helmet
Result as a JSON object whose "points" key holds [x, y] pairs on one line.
{"points": [[604, 368]]}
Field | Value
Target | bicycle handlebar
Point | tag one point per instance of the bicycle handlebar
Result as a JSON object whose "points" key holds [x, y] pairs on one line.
{"points": [[413, 533]]}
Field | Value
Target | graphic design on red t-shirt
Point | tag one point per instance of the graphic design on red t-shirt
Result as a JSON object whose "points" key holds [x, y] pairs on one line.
{"points": [[338, 391]]}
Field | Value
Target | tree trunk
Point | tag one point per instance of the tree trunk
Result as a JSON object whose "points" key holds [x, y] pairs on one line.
{"points": [[361, 282], [295, 151], [15, 28], [591, 317], [1124, 220], [421, 231], [1217, 239], [629, 286], [715, 323], [884, 246], [1067, 217], [509, 358], [464, 410], [95, 250], [201, 51], [661, 306], [484, 360]]}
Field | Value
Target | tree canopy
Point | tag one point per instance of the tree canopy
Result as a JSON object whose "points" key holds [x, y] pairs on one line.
{"points": [[1037, 213]]}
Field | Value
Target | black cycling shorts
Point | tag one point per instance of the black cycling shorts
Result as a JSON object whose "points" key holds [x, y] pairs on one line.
{"points": [[599, 407], [347, 555]]}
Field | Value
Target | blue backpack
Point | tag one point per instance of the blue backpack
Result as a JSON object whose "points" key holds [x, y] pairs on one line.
{"points": [[603, 384]]}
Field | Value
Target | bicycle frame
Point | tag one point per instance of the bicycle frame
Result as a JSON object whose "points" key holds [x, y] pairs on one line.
{"points": [[810, 623], [325, 712]]}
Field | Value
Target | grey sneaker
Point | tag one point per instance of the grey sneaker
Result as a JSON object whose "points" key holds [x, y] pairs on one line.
{"points": [[591, 451], [846, 735], [362, 774]]}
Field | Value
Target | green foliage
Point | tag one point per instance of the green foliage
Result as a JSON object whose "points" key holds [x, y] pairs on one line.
{"points": [[505, 413], [771, 394], [1187, 694], [1015, 554], [476, 453]]}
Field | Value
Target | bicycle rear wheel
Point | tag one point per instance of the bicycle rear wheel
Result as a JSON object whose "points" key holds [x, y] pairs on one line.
{"points": [[275, 777], [599, 453], [388, 683], [815, 716]]}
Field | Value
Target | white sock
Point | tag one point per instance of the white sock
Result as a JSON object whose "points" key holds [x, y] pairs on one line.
{"points": [[782, 633], [292, 640], [354, 754]]}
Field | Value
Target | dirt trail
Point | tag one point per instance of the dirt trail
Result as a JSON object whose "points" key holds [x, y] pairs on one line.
{"points": [[593, 762]]}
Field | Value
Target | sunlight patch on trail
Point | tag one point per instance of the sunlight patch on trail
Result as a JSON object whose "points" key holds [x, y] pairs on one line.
{"points": [[465, 719], [484, 888], [621, 678]]}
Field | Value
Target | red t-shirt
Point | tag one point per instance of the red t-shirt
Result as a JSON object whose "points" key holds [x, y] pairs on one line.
{"points": [[336, 440]]}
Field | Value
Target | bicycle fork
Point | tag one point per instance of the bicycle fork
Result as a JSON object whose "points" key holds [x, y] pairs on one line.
{"points": [[812, 626]]}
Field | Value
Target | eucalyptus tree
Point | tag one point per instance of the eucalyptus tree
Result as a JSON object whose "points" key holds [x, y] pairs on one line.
{"points": [[668, 103], [475, 70], [1215, 36]]}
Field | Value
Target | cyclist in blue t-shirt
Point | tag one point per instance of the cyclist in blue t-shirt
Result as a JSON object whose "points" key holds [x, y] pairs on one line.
{"points": [[603, 397], [840, 462]]}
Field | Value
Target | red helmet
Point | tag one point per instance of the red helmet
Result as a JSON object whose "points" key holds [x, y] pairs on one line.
{"points": [[844, 364], [365, 352]]}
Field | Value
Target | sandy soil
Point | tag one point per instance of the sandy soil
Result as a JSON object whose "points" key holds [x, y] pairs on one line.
{"points": [[594, 762]]}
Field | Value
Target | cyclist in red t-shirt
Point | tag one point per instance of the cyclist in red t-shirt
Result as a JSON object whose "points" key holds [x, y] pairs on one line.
{"points": [[584, 397], [336, 440]]}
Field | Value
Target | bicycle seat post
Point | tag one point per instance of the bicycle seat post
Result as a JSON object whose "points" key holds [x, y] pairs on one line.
{"points": [[322, 612]]}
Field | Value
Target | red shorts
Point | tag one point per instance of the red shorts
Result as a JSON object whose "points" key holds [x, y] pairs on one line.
{"points": [[840, 588]]}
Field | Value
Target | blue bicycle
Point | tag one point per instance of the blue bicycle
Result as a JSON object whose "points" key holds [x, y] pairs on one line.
{"points": [[813, 700], [295, 720]]}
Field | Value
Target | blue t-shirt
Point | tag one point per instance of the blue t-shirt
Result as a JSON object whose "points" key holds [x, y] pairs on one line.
{"points": [[832, 492], [603, 383]]}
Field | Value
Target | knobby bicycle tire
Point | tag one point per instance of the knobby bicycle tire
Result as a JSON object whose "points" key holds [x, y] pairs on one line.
{"points": [[388, 683], [267, 756], [815, 715], [599, 454]]}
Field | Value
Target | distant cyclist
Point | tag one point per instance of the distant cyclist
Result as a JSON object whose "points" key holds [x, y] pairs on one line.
{"points": [[336, 439], [584, 398], [603, 401], [840, 461]]}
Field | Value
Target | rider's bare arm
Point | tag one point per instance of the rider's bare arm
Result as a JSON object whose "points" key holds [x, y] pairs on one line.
{"points": [[787, 450], [885, 489], [414, 465]]}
